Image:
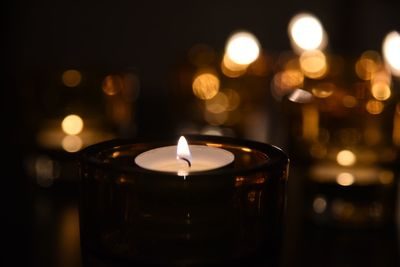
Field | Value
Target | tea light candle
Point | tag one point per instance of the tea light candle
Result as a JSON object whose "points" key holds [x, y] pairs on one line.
{"points": [[183, 159], [135, 207]]}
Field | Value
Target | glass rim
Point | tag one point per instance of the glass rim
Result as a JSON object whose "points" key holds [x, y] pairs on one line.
{"points": [[275, 155]]}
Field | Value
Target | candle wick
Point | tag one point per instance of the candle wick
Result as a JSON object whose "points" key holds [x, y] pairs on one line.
{"points": [[185, 159]]}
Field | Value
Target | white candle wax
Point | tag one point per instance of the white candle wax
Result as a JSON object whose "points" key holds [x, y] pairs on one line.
{"points": [[200, 158]]}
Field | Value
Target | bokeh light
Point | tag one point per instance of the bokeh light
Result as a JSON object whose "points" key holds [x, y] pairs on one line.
{"points": [[205, 85], [232, 69], [72, 143], [346, 158], [319, 204], [313, 64], [323, 90], [369, 63], [306, 32], [289, 79], [71, 78], [233, 99], [374, 107], [112, 84], [219, 103], [345, 179], [386, 177], [380, 91], [216, 119], [349, 101], [127, 85], [391, 51], [72, 124], [242, 48]]}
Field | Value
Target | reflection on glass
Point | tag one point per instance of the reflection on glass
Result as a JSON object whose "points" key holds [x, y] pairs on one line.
{"points": [[45, 170], [323, 90], [345, 179], [72, 143]]}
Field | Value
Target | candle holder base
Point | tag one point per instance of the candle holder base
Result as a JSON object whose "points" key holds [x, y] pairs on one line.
{"points": [[219, 217]]}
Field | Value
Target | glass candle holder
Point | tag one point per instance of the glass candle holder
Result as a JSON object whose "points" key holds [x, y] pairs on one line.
{"points": [[225, 216]]}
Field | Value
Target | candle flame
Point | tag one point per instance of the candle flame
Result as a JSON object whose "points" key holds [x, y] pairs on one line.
{"points": [[183, 151]]}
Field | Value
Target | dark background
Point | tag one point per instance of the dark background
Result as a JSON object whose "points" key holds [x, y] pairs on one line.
{"points": [[152, 37]]}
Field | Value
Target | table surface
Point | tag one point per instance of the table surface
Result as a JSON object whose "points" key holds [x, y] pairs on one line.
{"points": [[48, 233]]}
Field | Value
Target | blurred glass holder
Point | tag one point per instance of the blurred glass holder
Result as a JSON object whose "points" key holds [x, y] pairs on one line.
{"points": [[351, 197], [343, 129], [53, 158], [230, 215]]}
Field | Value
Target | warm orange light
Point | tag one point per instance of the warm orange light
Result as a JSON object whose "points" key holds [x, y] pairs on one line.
{"points": [[71, 78], [319, 204], [211, 130], [372, 135], [380, 91], [72, 124], [374, 107], [365, 68], [112, 84], [386, 177], [391, 51], [242, 48], [313, 64], [205, 86], [68, 237], [218, 103], [323, 90], [216, 119], [233, 99], [349, 101], [345, 179], [346, 158], [310, 116], [291, 78], [396, 126], [72, 143], [231, 69], [306, 32], [318, 151]]}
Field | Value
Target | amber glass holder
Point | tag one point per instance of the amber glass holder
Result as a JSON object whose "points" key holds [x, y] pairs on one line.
{"points": [[226, 216]]}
